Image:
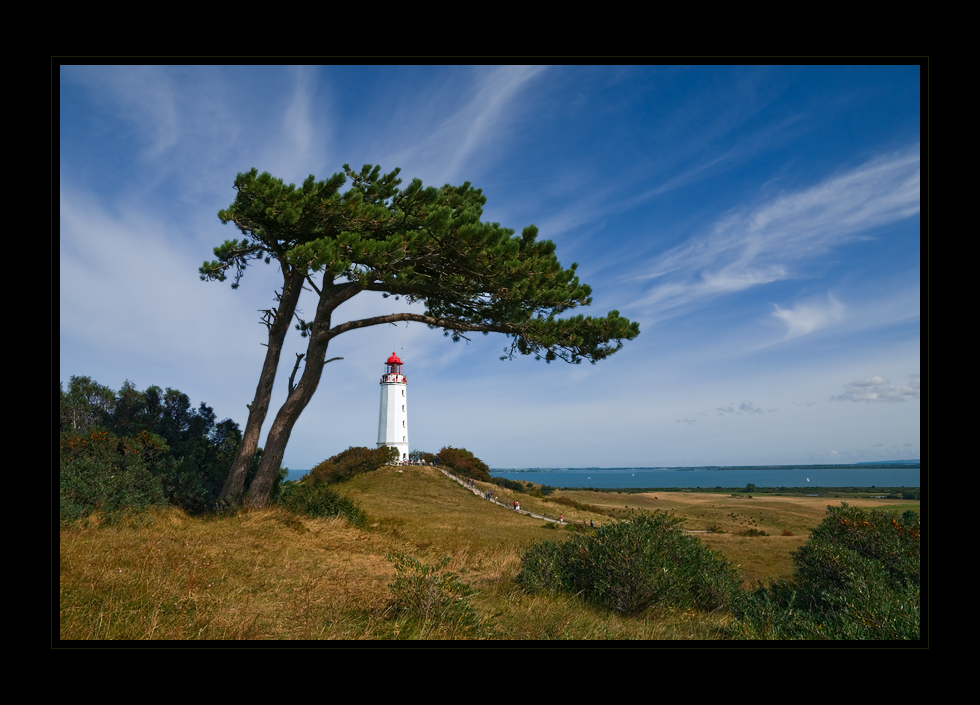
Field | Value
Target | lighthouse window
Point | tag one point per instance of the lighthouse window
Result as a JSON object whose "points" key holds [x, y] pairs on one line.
{"points": [[403, 407], [403, 423], [403, 392], [403, 439]]}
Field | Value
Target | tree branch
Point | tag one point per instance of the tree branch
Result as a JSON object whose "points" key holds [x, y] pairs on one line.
{"points": [[299, 357], [445, 323], [308, 279]]}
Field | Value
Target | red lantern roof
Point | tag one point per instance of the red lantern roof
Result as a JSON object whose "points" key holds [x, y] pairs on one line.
{"points": [[394, 359]]}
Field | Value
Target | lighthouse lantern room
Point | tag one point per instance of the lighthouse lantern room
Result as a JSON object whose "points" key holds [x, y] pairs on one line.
{"points": [[393, 419]]}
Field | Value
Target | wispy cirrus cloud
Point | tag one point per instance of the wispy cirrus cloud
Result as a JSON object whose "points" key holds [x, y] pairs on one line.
{"points": [[455, 133], [768, 243], [807, 317], [143, 97]]}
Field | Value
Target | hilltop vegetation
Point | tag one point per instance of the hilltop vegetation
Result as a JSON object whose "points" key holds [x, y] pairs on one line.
{"points": [[353, 461], [427, 559], [362, 549], [463, 463]]}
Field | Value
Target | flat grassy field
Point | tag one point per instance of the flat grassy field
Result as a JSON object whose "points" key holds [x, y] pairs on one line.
{"points": [[786, 521], [271, 575]]}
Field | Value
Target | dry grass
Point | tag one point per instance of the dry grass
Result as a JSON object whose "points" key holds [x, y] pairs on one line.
{"points": [[271, 575], [263, 574]]}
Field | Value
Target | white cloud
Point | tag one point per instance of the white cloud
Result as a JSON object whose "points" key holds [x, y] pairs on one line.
{"points": [[808, 317], [749, 248], [879, 389], [442, 146]]}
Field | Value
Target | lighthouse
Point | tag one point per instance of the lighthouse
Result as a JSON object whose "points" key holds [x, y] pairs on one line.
{"points": [[393, 419]]}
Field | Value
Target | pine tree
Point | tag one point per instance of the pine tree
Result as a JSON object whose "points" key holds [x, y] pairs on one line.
{"points": [[421, 244]]}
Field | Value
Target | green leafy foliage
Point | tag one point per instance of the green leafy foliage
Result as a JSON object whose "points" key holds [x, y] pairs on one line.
{"points": [[632, 565], [186, 450], [857, 577], [421, 456], [513, 485], [102, 472], [353, 461], [320, 501], [86, 404], [463, 463]]}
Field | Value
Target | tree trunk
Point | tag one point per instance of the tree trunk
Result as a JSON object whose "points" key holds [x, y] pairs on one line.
{"points": [[275, 447], [231, 494]]}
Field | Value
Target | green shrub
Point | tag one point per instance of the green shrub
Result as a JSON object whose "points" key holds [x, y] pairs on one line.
{"points": [[857, 577], [461, 462], [544, 566], [433, 600], [186, 449], [356, 460], [513, 485], [102, 472], [320, 501], [569, 502], [632, 565], [421, 456]]}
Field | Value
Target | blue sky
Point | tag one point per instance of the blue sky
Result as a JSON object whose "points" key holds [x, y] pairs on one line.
{"points": [[762, 224]]}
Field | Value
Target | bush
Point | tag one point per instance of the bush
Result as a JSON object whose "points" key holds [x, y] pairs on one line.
{"points": [[461, 462], [320, 501], [185, 449], [544, 566], [356, 460], [512, 485], [630, 566], [432, 599], [857, 577], [103, 472], [569, 502], [421, 456]]}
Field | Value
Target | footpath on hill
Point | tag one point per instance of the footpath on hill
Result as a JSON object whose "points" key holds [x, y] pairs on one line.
{"points": [[479, 493]]}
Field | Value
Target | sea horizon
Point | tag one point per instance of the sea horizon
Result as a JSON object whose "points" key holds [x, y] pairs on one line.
{"points": [[907, 474]]}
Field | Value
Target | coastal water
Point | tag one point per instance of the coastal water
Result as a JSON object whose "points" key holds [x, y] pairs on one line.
{"points": [[611, 478], [608, 478]]}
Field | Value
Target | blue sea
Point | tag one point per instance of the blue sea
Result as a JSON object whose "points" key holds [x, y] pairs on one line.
{"points": [[608, 478], [611, 478]]}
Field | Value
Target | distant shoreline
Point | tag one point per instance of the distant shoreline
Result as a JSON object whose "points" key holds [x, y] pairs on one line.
{"points": [[884, 465]]}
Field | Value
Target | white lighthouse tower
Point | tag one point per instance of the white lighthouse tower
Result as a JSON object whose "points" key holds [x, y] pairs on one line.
{"points": [[393, 419]]}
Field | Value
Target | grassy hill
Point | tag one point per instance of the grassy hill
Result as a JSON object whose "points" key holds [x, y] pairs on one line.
{"points": [[272, 575]]}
